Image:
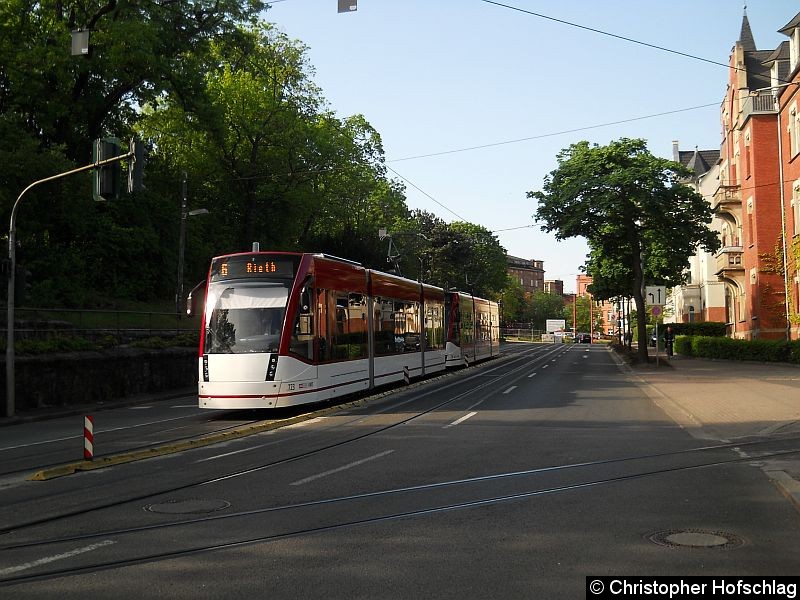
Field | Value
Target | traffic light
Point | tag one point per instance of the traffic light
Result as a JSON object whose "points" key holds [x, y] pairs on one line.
{"points": [[105, 179], [136, 166]]}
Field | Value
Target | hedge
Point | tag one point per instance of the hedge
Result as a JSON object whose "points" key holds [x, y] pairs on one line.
{"points": [[732, 349], [700, 328]]}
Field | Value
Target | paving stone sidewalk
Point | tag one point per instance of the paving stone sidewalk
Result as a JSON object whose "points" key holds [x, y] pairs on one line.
{"points": [[731, 401]]}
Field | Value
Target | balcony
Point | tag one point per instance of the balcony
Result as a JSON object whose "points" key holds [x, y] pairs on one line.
{"points": [[727, 198], [759, 103], [729, 262]]}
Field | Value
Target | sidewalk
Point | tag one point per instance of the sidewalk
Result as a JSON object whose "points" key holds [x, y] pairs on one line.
{"points": [[730, 401]]}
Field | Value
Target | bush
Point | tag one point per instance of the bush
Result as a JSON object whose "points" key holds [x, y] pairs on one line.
{"points": [[731, 349], [683, 345], [53, 345], [704, 328]]}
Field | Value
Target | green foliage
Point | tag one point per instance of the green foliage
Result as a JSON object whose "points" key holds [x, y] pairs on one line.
{"points": [[53, 345], [640, 222], [588, 320], [228, 100], [161, 343], [460, 255], [700, 328], [734, 349]]}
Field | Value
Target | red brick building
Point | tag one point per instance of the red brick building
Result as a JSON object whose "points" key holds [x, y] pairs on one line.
{"points": [[748, 196], [786, 69], [529, 273]]}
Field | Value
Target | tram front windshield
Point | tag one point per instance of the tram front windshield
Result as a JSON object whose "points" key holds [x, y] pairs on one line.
{"points": [[245, 318]]}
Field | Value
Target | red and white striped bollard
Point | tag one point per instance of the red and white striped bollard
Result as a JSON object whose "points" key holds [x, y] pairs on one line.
{"points": [[88, 437]]}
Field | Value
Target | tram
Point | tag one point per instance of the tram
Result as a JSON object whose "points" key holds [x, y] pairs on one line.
{"points": [[281, 329]]}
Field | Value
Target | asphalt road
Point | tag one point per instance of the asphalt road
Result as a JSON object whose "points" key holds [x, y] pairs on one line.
{"points": [[515, 479]]}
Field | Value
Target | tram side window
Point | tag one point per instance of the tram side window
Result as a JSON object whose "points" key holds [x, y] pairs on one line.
{"points": [[302, 342], [407, 326], [467, 326], [357, 310], [340, 327], [383, 323], [324, 334], [434, 326]]}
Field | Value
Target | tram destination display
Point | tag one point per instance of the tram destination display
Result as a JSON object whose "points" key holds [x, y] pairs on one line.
{"points": [[246, 266]]}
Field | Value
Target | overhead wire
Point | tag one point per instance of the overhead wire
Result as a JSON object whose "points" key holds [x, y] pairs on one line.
{"points": [[586, 28], [555, 133]]}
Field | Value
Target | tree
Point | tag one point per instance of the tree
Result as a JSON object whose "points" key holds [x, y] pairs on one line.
{"points": [[462, 255], [138, 51], [641, 223], [544, 306], [586, 319], [512, 301]]}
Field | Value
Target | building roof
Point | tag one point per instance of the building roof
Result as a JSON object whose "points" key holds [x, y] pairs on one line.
{"points": [[699, 161], [746, 38], [781, 56], [757, 65], [790, 26], [522, 263]]}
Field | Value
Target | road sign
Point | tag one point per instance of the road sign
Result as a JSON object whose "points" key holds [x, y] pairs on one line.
{"points": [[655, 295], [656, 310]]}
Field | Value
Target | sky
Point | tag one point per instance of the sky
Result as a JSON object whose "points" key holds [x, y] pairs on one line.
{"points": [[474, 100]]}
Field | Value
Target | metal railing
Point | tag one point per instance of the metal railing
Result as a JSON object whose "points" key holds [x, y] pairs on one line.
{"points": [[44, 323]]}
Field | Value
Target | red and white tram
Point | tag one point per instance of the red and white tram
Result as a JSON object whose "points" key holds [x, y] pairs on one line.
{"points": [[281, 329]]}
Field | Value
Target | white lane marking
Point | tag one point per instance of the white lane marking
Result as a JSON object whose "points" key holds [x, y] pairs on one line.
{"points": [[461, 420], [184, 405], [584, 356], [98, 431], [477, 403], [511, 389], [545, 366], [270, 432], [230, 453], [49, 559], [343, 468], [139, 407], [531, 375]]}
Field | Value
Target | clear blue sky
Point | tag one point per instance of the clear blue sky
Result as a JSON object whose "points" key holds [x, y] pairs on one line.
{"points": [[438, 76]]}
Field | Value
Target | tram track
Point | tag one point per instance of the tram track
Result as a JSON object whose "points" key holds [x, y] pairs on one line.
{"points": [[7, 576], [103, 455], [522, 357]]}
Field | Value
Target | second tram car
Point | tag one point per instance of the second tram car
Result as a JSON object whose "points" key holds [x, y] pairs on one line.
{"points": [[280, 329]]}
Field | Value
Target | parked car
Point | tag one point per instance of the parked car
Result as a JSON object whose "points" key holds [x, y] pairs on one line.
{"points": [[583, 338]]}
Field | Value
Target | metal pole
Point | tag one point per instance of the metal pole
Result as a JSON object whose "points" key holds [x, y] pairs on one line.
{"points": [[783, 221], [657, 341], [12, 264], [181, 245]]}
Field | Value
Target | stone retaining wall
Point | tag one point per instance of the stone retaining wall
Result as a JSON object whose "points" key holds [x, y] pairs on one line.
{"points": [[92, 377]]}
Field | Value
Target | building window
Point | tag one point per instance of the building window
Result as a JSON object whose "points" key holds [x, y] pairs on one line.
{"points": [[796, 206], [750, 222], [747, 163], [794, 130]]}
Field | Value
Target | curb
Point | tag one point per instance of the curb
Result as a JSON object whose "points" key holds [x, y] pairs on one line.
{"points": [[787, 485], [173, 448], [232, 434]]}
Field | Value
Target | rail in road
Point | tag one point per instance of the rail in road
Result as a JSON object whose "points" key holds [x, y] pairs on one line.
{"points": [[493, 442]]}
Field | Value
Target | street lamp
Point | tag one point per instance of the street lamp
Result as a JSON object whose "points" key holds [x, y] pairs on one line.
{"points": [[185, 214]]}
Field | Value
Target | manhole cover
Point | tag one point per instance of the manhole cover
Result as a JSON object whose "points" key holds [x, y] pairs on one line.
{"points": [[695, 538], [188, 506]]}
